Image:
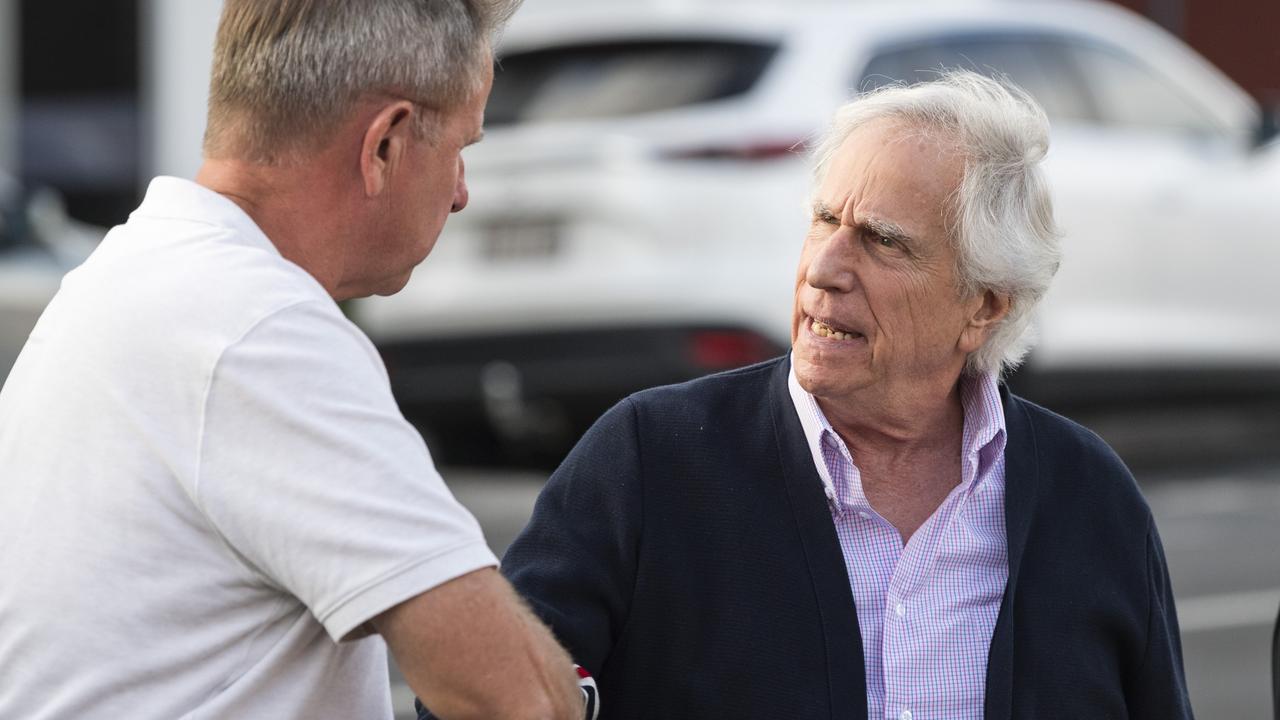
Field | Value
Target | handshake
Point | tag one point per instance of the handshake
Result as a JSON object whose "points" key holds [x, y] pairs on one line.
{"points": [[586, 684]]}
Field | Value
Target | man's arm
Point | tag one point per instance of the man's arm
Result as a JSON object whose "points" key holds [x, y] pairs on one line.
{"points": [[576, 562], [1158, 689], [470, 649]]}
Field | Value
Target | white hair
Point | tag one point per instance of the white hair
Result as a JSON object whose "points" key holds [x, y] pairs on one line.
{"points": [[1000, 218]]}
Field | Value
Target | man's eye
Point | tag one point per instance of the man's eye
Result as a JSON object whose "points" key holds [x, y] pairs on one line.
{"points": [[883, 241]]}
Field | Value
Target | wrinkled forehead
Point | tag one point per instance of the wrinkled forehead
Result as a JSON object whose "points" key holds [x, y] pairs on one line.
{"points": [[900, 172]]}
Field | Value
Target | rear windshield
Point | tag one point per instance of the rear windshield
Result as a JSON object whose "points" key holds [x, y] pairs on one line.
{"points": [[626, 78]]}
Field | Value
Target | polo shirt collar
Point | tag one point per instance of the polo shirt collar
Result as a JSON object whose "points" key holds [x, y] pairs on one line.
{"points": [[172, 198]]}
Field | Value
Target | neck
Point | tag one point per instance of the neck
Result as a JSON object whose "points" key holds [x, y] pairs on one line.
{"points": [[905, 423], [296, 206]]}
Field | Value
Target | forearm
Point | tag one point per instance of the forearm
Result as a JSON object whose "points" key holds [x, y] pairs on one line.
{"points": [[471, 649]]}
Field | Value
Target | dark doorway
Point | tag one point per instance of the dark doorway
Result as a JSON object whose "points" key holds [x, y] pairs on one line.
{"points": [[79, 123]]}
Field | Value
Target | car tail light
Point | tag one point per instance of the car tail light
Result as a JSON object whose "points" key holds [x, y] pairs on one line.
{"points": [[763, 150], [725, 349]]}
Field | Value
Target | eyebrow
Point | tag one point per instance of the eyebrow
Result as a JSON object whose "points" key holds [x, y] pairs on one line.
{"points": [[879, 226], [823, 212], [887, 229]]}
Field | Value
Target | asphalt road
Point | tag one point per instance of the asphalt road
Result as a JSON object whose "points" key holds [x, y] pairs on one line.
{"points": [[1221, 531]]}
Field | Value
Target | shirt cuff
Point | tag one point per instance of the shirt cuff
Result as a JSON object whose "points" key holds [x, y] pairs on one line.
{"points": [[347, 619]]}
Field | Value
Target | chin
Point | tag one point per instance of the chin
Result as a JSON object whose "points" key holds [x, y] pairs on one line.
{"points": [[824, 376], [393, 285], [814, 377], [397, 285]]}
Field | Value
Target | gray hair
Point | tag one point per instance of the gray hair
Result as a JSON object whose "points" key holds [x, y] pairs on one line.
{"points": [[287, 72], [1000, 219]]}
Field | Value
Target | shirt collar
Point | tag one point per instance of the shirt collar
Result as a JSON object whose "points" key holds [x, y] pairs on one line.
{"points": [[984, 425], [174, 198], [815, 426], [984, 428]]}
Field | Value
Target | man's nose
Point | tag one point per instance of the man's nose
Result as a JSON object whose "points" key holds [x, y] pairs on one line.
{"points": [[460, 195], [832, 265]]}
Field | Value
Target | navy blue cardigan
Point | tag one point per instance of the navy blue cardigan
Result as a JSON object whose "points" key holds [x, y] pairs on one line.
{"points": [[685, 555]]}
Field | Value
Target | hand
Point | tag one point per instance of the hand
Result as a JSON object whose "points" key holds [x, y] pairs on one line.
{"points": [[586, 684]]}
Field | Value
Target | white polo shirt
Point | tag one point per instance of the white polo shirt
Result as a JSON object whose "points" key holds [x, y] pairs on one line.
{"points": [[206, 487]]}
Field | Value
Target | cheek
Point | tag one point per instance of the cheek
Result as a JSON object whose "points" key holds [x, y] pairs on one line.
{"points": [[808, 252], [902, 309]]}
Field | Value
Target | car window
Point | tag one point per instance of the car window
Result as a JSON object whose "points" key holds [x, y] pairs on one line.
{"points": [[618, 79], [1036, 64], [1129, 93]]}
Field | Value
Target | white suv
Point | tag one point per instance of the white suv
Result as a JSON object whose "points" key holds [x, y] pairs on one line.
{"points": [[638, 204]]}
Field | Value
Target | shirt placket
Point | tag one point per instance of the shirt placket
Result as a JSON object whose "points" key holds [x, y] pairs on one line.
{"points": [[873, 549], [908, 609]]}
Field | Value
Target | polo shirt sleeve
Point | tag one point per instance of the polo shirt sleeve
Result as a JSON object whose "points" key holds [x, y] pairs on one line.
{"points": [[315, 480]]}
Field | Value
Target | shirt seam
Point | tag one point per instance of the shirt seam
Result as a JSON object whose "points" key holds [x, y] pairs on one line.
{"points": [[1146, 648], [635, 581], [195, 494]]}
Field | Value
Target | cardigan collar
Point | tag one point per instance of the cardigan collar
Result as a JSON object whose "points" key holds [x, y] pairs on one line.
{"points": [[1022, 477], [846, 678]]}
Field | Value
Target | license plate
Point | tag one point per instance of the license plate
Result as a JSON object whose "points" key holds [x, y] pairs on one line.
{"points": [[514, 239]]}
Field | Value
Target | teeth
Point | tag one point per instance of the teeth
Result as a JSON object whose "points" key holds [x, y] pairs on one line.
{"points": [[822, 329]]}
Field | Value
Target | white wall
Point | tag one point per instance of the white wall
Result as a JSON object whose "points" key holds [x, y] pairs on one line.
{"points": [[177, 51]]}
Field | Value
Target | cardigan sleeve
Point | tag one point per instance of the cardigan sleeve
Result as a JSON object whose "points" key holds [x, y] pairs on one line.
{"points": [[576, 561], [1158, 689]]}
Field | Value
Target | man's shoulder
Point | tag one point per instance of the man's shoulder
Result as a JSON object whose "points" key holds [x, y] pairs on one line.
{"points": [[706, 412], [1057, 432], [1074, 458], [720, 395], [170, 306], [192, 274]]}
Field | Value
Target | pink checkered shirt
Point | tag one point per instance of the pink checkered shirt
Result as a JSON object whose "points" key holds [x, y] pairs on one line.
{"points": [[926, 611]]}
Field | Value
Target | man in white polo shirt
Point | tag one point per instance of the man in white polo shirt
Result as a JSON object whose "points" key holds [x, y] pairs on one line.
{"points": [[210, 505]]}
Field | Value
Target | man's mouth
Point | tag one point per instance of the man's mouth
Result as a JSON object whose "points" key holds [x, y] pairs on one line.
{"points": [[823, 328]]}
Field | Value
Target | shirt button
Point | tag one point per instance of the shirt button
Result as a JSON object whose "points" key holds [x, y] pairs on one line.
{"points": [[904, 715], [900, 610], [864, 515]]}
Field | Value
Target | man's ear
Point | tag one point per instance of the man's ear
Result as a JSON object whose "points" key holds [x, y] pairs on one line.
{"points": [[386, 138], [987, 310]]}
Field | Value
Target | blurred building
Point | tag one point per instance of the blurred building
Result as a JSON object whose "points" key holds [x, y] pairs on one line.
{"points": [[77, 77], [1239, 36]]}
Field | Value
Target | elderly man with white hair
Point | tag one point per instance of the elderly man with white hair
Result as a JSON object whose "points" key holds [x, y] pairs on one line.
{"points": [[873, 526]]}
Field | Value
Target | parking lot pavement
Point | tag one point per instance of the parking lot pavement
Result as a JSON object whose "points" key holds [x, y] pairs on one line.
{"points": [[1221, 532]]}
